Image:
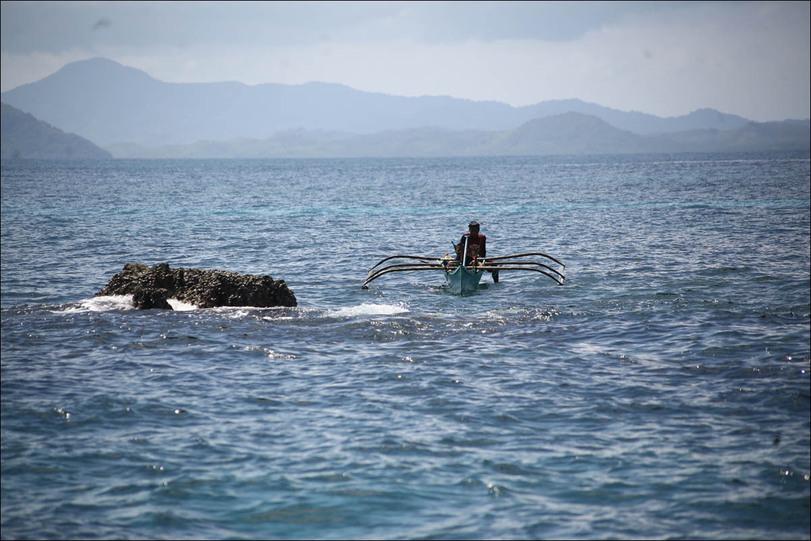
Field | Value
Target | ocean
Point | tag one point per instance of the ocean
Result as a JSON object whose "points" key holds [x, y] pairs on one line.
{"points": [[661, 392]]}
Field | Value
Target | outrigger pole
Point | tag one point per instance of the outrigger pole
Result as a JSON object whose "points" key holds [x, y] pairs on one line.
{"points": [[504, 265], [447, 264], [557, 276], [404, 268], [421, 258], [527, 254]]}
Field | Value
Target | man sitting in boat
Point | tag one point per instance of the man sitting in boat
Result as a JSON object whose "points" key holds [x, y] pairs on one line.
{"points": [[476, 246]]}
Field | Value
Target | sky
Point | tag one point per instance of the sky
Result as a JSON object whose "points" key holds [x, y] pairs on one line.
{"points": [[664, 58]]}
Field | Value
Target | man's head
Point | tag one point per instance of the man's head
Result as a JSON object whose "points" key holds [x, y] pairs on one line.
{"points": [[473, 227]]}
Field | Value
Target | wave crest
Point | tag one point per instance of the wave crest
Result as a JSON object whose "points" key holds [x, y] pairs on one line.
{"points": [[369, 310]]}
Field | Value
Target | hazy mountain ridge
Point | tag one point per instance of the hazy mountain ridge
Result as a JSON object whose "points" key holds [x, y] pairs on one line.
{"points": [[568, 133], [109, 103], [22, 136], [134, 115]]}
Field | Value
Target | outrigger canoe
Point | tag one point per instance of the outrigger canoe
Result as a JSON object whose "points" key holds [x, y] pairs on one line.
{"points": [[462, 280], [463, 277]]}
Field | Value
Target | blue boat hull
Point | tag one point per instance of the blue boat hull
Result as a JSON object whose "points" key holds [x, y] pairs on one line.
{"points": [[462, 280]]}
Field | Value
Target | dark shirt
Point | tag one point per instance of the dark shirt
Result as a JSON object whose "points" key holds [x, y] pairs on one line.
{"points": [[476, 247]]}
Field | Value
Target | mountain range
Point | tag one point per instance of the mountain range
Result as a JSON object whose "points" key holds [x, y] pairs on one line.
{"points": [[567, 133], [132, 114], [23, 136]]}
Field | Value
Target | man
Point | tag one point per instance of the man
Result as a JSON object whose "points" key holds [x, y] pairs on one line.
{"points": [[476, 244], [476, 247]]}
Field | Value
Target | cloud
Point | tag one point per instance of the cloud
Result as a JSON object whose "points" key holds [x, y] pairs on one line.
{"points": [[55, 26], [104, 22]]}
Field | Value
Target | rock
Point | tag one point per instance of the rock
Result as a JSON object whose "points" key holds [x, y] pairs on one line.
{"points": [[151, 287], [147, 297]]}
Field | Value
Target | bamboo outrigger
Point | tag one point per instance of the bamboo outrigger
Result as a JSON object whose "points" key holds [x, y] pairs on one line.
{"points": [[463, 277]]}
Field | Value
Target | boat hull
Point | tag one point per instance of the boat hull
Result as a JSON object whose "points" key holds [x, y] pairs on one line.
{"points": [[462, 280]]}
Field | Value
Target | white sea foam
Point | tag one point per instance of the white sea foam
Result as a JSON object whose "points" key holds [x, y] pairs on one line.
{"points": [[102, 304], [180, 306], [236, 312], [107, 303], [369, 310]]}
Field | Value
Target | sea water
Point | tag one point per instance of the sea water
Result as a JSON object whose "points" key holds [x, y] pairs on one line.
{"points": [[662, 392]]}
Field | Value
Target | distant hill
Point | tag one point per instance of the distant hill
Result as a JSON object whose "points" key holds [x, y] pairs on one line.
{"points": [[109, 103], [641, 123], [568, 133], [753, 137], [23, 136]]}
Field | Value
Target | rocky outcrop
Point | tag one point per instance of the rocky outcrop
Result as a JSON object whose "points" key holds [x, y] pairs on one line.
{"points": [[151, 287], [145, 297]]}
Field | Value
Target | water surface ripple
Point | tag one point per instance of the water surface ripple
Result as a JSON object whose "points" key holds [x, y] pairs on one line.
{"points": [[662, 392]]}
